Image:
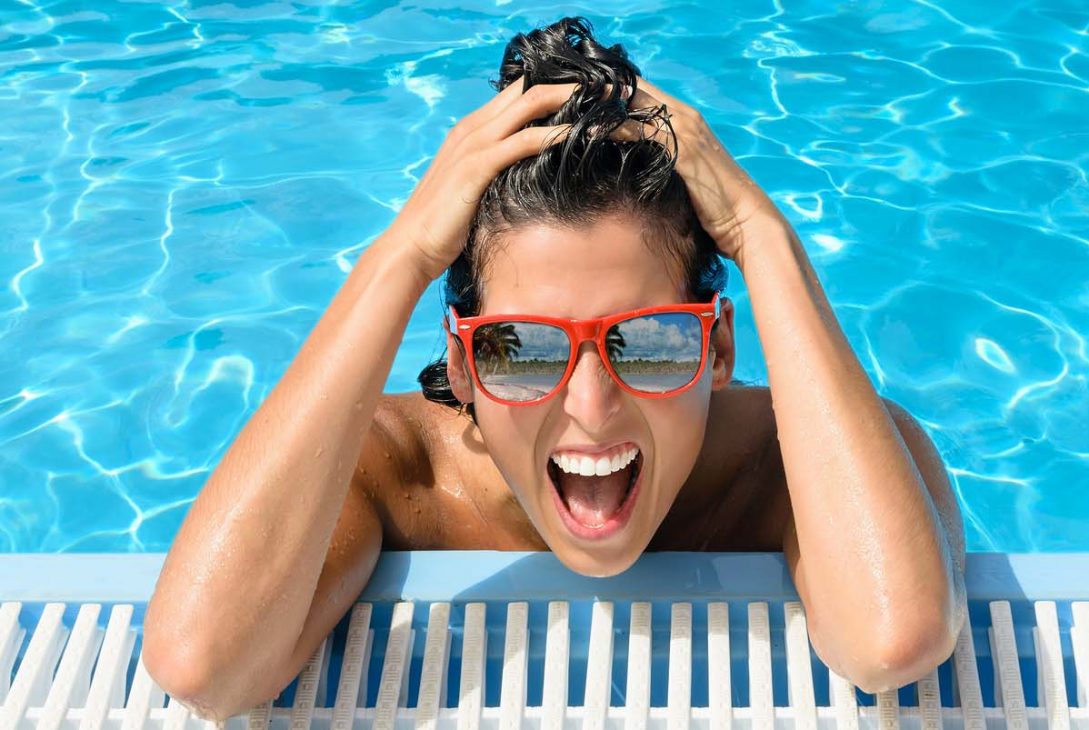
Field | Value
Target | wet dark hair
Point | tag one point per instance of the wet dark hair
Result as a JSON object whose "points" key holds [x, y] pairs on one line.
{"points": [[583, 179]]}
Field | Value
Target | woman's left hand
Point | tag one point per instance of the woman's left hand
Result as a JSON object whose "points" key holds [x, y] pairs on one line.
{"points": [[727, 201]]}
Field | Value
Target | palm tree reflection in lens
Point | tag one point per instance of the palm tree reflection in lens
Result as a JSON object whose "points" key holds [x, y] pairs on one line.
{"points": [[497, 347], [652, 354], [497, 344], [614, 344]]}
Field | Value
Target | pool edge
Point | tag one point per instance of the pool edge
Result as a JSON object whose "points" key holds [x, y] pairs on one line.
{"points": [[454, 575]]}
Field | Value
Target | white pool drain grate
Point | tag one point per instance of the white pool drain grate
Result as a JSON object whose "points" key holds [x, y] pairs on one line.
{"points": [[732, 655]]}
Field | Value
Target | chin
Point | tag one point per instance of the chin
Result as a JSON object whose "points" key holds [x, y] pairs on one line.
{"points": [[597, 563]]}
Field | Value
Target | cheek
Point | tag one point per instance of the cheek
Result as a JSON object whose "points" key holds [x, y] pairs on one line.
{"points": [[679, 427], [694, 403], [510, 434]]}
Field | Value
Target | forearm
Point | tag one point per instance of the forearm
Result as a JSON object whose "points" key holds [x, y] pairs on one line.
{"points": [[861, 507], [238, 582]]}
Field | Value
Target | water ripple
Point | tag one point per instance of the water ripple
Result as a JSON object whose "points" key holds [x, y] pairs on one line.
{"points": [[188, 186]]}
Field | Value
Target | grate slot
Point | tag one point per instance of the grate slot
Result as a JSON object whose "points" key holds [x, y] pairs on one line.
{"points": [[63, 679]]}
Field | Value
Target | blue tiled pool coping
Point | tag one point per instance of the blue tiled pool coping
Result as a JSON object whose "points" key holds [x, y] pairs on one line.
{"points": [[483, 575]]}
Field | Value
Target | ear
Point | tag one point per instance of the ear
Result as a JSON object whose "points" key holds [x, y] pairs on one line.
{"points": [[457, 370], [722, 346]]}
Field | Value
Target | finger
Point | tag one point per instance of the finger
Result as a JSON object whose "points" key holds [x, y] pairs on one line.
{"points": [[627, 131], [641, 99], [541, 100], [506, 97], [525, 143], [634, 130], [625, 93], [494, 105], [534, 140], [665, 98]]}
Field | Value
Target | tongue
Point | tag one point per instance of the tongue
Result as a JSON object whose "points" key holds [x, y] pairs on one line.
{"points": [[593, 500]]}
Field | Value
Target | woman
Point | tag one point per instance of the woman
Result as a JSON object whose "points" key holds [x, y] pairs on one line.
{"points": [[579, 217]]}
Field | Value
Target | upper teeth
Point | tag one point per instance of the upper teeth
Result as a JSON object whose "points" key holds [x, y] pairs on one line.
{"points": [[588, 466]]}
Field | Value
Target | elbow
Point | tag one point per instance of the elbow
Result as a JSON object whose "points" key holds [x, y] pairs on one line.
{"points": [[180, 678], [169, 655], [909, 657], [185, 677], [183, 668], [923, 641], [916, 642], [205, 696]]}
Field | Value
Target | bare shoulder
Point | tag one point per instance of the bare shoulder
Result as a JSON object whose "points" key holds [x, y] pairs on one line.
{"points": [[429, 439], [394, 471], [736, 497], [433, 484], [757, 476]]}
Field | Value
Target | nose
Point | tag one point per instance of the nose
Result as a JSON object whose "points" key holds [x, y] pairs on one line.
{"points": [[592, 397]]}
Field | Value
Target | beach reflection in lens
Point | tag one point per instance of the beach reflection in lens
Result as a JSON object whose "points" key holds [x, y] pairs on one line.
{"points": [[656, 353], [520, 361]]}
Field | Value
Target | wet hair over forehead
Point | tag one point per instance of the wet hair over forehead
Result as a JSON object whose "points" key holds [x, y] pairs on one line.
{"points": [[675, 253], [583, 179]]}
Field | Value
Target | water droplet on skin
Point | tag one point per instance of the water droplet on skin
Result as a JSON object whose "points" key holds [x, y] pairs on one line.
{"points": [[385, 454], [319, 451]]}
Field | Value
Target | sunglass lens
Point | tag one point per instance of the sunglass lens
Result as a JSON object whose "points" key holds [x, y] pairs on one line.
{"points": [[520, 361], [656, 353]]}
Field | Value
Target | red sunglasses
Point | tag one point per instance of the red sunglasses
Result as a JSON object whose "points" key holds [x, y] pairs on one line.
{"points": [[522, 359]]}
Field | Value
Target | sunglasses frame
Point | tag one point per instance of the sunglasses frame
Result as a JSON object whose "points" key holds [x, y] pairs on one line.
{"points": [[579, 331]]}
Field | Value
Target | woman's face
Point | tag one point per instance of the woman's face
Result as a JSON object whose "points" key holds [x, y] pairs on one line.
{"points": [[603, 269]]}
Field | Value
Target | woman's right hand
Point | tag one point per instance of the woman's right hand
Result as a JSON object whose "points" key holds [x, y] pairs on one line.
{"points": [[437, 216]]}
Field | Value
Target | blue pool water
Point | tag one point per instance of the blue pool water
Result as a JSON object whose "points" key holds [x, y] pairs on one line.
{"points": [[186, 185]]}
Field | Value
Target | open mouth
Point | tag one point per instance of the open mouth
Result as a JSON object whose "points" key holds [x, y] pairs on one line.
{"points": [[595, 503]]}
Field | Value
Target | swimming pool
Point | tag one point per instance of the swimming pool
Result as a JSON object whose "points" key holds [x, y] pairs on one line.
{"points": [[185, 188]]}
